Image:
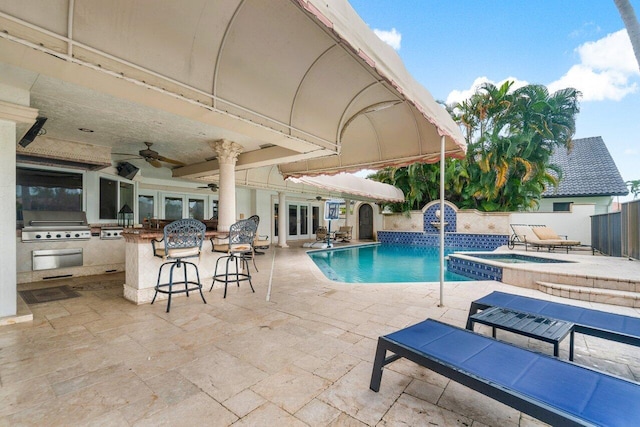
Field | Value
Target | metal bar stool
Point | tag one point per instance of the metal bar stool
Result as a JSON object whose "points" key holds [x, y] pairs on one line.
{"points": [[239, 249], [182, 239]]}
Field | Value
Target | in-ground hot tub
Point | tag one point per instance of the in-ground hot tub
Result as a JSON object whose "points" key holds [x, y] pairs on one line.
{"points": [[489, 266], [513, 258]]}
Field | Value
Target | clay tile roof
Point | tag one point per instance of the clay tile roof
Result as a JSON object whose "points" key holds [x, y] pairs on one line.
{"points": [[588, 170]]}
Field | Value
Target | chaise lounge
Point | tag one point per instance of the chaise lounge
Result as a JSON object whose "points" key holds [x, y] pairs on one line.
{"points": [[601, 324], [539, 236], [547, 388]]}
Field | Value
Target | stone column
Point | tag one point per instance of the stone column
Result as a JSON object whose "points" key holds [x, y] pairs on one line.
{"points": [[228, 152], [282, 220], [10, 115]]}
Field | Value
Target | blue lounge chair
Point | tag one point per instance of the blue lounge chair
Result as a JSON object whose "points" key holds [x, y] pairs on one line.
{"points": [[547, 388], [615, 327]]}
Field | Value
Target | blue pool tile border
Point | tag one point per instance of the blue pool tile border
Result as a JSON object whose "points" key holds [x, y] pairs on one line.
{"points": [[473, 269], [454, 240]]}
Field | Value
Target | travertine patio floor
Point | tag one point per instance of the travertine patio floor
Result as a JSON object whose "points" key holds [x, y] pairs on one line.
{"points": [[304, 358]]}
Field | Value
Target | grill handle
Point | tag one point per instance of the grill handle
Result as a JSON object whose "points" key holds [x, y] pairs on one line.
{"points": [[62, 221]]}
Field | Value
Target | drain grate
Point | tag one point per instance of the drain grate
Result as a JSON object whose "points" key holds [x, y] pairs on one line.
{"points": [[37, 296]]}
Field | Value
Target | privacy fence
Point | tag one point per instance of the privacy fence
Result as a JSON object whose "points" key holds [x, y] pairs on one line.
{"points": [[618, 233]]}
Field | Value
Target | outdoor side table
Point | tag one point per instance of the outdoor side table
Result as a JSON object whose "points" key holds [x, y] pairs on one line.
{"points": [[530, 325]]}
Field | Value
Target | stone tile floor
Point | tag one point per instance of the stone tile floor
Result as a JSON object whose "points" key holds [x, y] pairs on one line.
{"points": [[302, 359]]}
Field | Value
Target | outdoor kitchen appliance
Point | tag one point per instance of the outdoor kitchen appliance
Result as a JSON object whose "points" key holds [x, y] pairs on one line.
{"points": [[110, 233], [41, 226]]}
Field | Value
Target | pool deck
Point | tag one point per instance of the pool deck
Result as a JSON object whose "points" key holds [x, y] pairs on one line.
{"points": [[302, 359]]}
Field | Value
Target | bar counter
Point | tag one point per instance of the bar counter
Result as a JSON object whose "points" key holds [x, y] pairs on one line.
{"points": [[141, 266]]}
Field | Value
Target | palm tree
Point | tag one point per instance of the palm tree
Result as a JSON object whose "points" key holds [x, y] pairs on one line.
{"points": [[510, 138], [634, 187], [631, 23]]}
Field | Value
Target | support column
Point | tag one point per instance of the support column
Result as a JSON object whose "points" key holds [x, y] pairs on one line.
{"points": [[10, 115], [282, 220], [228, 152]]}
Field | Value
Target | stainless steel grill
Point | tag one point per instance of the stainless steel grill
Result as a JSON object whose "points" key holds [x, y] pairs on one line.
{"points": [[55, 226]]}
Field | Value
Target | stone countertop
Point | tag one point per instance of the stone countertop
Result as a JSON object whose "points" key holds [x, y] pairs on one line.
{"points": [[148, 234]]}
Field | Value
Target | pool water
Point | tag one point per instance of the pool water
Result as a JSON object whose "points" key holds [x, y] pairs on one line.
{"points": [[384, 264]]}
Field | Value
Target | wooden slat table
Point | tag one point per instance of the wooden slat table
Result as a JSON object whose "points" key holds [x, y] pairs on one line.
{"points": [[530, 325]]}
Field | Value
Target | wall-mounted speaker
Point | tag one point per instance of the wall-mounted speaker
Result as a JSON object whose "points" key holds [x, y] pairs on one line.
{"points": [[32, 132], [127, 170]]}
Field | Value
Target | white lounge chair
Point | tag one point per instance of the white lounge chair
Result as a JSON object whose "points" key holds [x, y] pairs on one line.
{"points": [[539, 236]]}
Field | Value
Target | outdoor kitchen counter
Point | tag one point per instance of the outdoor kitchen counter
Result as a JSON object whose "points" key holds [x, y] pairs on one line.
{"points": [[141, 266], [148, 234]]}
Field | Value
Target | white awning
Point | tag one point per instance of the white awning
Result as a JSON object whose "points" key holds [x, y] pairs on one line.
{"points": [[382, 115], [353, 187], [304, 84]]}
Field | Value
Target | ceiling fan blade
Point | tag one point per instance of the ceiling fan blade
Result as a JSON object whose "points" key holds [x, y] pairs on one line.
{"points": [[153, 162], [172, 161]]}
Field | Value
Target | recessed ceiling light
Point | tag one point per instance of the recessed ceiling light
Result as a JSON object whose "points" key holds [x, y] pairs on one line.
{"points": [[85, 130]]}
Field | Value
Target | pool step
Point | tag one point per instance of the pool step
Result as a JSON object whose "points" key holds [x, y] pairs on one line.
{"points": [[585, 293]]}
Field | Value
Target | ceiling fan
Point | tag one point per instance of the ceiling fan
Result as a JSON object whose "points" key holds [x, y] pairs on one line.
{"points": [[212, 186], [153, 157], [319, 198]]}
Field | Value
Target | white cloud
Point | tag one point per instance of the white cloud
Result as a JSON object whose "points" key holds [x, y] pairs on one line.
{"points": [[605, 69], [461, 95], [631, 152], [586, 30], [392, 38]]}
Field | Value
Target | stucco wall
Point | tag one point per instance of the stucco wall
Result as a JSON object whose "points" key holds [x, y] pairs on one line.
{"points": [[468, 221], [576, 225], [601, 204]]}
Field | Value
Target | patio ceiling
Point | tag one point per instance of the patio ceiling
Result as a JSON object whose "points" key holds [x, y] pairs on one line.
{"points": [[290, 80]]}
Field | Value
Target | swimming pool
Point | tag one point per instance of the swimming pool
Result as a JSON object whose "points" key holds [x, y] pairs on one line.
{"points": [[383, 264]]}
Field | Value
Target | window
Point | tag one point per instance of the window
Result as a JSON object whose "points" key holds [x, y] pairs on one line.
{"points": [[113, 196], [173, 208], [275, 220], [304, 220], [46, 190], [562, 206], [293, 220], [126, 195], [145, 207], [315, 215], [196, 209], [214, 209]]}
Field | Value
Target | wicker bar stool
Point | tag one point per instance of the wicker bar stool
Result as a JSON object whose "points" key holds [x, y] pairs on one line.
{"points": [[182, 239]]}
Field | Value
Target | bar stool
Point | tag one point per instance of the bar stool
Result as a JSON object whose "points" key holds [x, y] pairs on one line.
{"points": [[239, 249], [182, 239]]}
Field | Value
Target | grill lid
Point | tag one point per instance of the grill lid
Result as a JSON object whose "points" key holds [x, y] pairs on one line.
{"points": [[44, 220]]}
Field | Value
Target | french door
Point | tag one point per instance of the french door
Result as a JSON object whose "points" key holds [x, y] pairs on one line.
{"points": [[298, 221]]}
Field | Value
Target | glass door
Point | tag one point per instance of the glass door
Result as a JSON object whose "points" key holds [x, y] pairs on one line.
{"points": [[298, 220]]}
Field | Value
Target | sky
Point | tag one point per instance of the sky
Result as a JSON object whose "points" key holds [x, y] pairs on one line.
{"points": [[451, 47]]}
